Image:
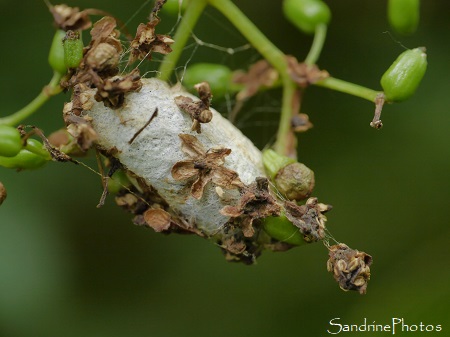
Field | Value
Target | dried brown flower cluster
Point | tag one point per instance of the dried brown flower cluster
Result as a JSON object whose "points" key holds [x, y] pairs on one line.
{"points": [[350, 268], [308, 218], [204, 166], [304, 74], [71, 18], [256, 203], [199, 110]]}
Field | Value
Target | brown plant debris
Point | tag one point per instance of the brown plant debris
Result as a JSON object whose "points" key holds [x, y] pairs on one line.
{"points": [[81, 130], [308, 218], [147, 42], [71, 18], [100, 66], [112, 90], [304, 74], [204, 166], [158, 219], [255, 203], [199, 110], [350, 268], [300, 122], [260, 74], [138, 132]]}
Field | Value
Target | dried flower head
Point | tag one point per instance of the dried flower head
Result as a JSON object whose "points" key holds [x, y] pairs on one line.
{"points": [[260, 74], [199, 110], [308, 218], [256, 203], [300, 122], [70, 18], [204, 166], [112, 90], [304, 74], [147, 42], [350, 267]]}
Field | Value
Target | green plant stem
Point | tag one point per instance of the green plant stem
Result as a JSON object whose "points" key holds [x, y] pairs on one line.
{"points": [[317, 45], [51, 89], [273, 55], [184, 30], [349, 88]]}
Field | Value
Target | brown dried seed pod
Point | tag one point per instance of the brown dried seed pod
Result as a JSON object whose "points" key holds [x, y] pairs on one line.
{"points": [[350, 267]]}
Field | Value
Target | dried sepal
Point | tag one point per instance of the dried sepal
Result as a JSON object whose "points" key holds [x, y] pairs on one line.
{"points": [[308, 218], [158, 219], [204, 167], [260, 74], [146, 42], [256, 203], [350, 268], [199, 110], [304, 74]]}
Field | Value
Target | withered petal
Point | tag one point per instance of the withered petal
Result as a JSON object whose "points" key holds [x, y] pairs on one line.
{"points": [[231, 211], [191, 146], [199, 185], [183, 170], [157, 219]]}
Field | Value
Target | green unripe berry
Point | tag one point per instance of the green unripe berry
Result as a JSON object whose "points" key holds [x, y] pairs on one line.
{"points": [[218, 77], [281, 229], [73, 49], [10, 141], [306, 15], [293, 180], [36, 147], [117, 182], [403, 77], [403, 15], [172, 7], [56, 54], [23, 160]]}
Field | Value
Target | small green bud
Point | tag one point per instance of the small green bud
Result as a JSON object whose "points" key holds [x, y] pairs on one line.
{"points": [[306, 15], [73, 49], [403, 77], [218, 77], [281, 229], [117, 182], [3, 193], [403, 15], [292, 179], [56, 54], [10, 141], [274, 162], [23, 160]]}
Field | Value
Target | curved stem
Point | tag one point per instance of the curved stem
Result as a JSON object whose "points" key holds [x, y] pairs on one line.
{"points": [[184, 30], [284, 134], [349, 88], [258, 40], [51, 89], [317, 45]]}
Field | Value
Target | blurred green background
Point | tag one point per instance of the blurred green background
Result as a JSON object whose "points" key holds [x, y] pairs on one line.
{"points": [[69, 269]]}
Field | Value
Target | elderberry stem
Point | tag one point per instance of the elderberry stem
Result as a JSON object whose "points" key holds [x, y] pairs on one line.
{"points": [[316, 48], [51, 89], [349, 88]]}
